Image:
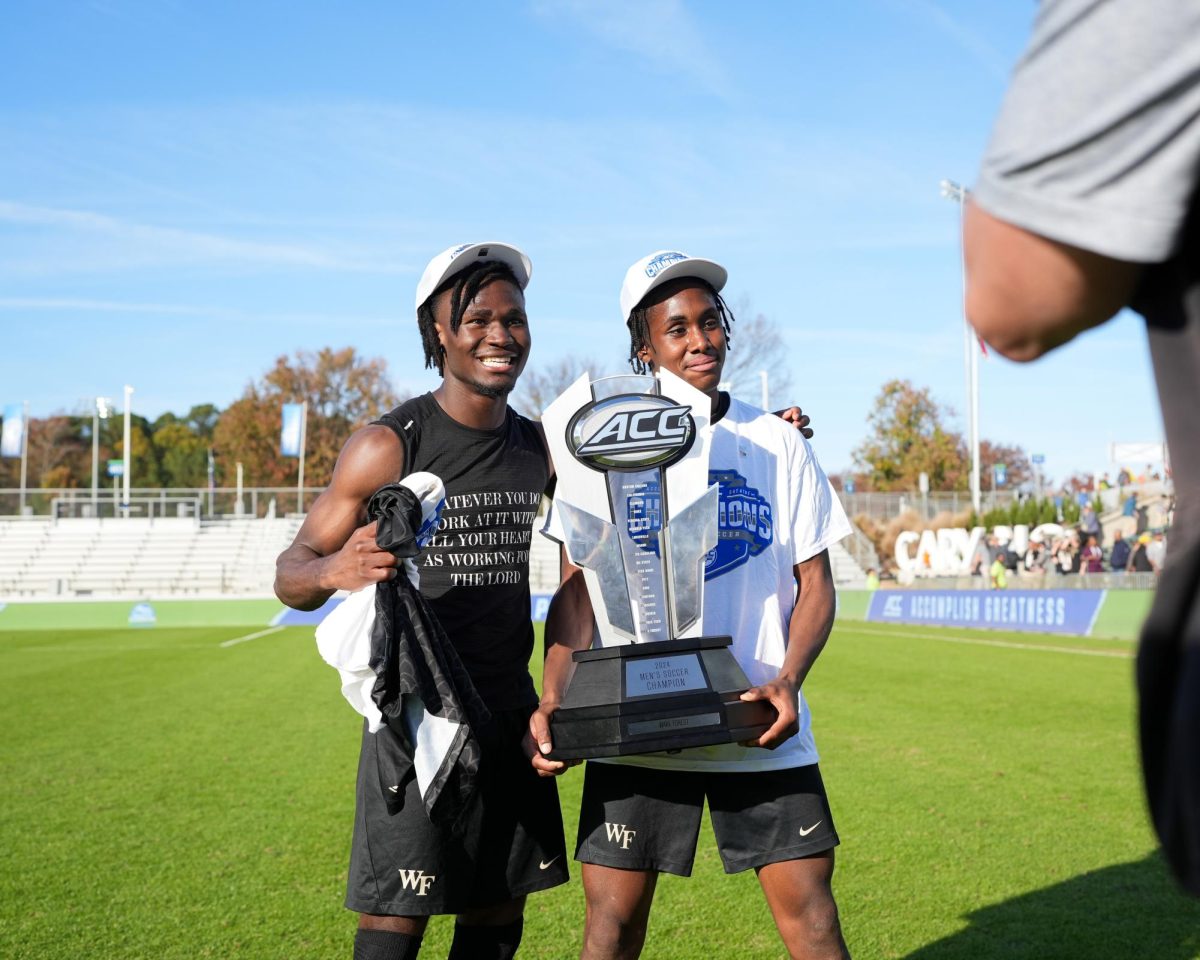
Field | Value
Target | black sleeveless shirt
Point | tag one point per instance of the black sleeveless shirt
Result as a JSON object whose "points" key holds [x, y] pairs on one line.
{"points": [[475, 572]]}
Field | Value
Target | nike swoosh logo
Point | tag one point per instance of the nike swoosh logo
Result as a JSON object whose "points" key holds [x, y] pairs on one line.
{"points": [[805, 832], [546, 863]]}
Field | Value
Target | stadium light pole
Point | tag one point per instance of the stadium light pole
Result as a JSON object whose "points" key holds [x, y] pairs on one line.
{"points": [[101, 408], [303, 444], [128, 458], [958, 193], [24, 453]]}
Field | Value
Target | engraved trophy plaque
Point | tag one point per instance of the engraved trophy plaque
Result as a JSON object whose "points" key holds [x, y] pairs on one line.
{"points": [[634, 509]]}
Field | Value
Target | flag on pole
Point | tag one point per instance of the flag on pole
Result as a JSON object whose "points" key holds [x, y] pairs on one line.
{"points": [[293, 429], [13, 434]]}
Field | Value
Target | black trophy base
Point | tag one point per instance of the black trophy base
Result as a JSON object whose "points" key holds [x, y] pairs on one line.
{"points": [[648, 697]]}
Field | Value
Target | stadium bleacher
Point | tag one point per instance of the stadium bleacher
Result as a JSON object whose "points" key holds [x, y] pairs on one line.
{"points": [[169, 556], [139, 557]]}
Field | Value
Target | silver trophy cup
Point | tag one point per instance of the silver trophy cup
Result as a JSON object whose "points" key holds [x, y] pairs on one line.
{"points": [[634, 509]]}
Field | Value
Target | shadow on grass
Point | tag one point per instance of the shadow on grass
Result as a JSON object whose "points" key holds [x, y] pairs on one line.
{"points": [[1130, 911]]}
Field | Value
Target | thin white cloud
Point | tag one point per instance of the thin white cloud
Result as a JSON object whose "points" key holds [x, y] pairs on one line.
{"points": [[101, 306], [289, 318], [661, 32], [979, 49], [143, 243]]}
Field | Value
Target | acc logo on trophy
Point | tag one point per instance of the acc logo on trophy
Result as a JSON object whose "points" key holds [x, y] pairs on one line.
{"points": [[631, 431]]}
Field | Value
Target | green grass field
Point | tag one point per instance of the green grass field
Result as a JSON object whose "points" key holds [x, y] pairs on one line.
{"points": [[164, 796]]}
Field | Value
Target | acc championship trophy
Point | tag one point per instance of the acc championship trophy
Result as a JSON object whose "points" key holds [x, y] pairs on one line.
{"points": [[635, 510]]}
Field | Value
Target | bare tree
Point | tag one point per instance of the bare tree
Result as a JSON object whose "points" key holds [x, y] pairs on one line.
{"points": [[756, 345], [539, 386]]}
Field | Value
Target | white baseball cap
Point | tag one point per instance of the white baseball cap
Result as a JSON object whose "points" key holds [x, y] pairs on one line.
{"points": [[456, 259], [664, 265]]}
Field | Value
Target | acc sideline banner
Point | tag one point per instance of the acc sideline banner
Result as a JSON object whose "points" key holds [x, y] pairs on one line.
{"points": [[1036, 611]]}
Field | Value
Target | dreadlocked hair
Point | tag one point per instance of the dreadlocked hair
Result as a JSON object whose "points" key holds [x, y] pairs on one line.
{"points": [[639, 329], [463, 287]]}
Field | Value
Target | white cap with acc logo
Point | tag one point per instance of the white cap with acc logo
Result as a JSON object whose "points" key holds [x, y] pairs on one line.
{"points": [[664, 265]]}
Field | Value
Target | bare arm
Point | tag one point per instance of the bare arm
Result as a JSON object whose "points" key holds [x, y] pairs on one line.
{"points": [[569, 627], [1027, 294], [808, 629], [333, 550]]}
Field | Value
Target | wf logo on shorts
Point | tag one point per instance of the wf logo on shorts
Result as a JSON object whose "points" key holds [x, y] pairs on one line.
{"points": [[662, 261], [619, 833], [417, 880]]}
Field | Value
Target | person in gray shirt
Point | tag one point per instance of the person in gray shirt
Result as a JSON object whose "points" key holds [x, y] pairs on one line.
{"points": [[1086, 203]]}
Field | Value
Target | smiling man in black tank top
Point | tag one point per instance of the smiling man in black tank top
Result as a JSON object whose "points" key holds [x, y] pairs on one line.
{"points": [[475, 574]]}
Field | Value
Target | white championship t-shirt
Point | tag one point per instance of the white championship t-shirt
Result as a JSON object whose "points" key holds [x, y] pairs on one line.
{"points": [[777, 509]]}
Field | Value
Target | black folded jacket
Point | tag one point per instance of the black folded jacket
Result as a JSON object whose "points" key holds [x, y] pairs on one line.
{"points": [[419, 676]]}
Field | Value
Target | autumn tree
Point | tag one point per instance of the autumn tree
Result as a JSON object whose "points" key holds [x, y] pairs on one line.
{"points": [[202, 419], [539, 387], [56, 452], [908, 438], [171, 451], [145, 456], [182, 453], [344, 392], [1018, 467], [755, 345]]}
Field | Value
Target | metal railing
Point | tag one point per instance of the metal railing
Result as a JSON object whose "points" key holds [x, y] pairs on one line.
{"points": [[215, 503], [885, 506], [280, 501], [861, 549], [159, 507], [1047, 581]]}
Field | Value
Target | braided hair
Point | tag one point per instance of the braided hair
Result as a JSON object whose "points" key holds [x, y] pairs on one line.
{"points": [[639, 327], [463, 287]]}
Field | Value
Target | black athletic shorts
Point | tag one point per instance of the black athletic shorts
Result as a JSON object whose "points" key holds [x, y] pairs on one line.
{"points": [[640, 818], [512, 844]]}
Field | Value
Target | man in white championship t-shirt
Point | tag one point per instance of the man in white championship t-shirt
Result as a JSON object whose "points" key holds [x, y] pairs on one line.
{"points": [[768, 585]]}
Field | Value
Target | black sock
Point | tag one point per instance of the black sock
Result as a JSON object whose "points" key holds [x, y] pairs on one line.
{"points": [[486, 943], [385, 945]]}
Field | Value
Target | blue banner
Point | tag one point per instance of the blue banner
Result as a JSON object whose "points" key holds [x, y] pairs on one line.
{"points": [[13, 433], [287, 617], [293, 429], [1032, 611]]}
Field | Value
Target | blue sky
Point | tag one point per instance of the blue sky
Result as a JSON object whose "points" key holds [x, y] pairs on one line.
{"points": [[188, 190]]}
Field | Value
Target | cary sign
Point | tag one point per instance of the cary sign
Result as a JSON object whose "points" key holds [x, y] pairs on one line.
{"points": [[947, 552]]}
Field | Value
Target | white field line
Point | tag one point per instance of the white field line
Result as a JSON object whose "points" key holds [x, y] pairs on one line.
{"points": [[979, 642], [251, 636], [96, 648]]}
